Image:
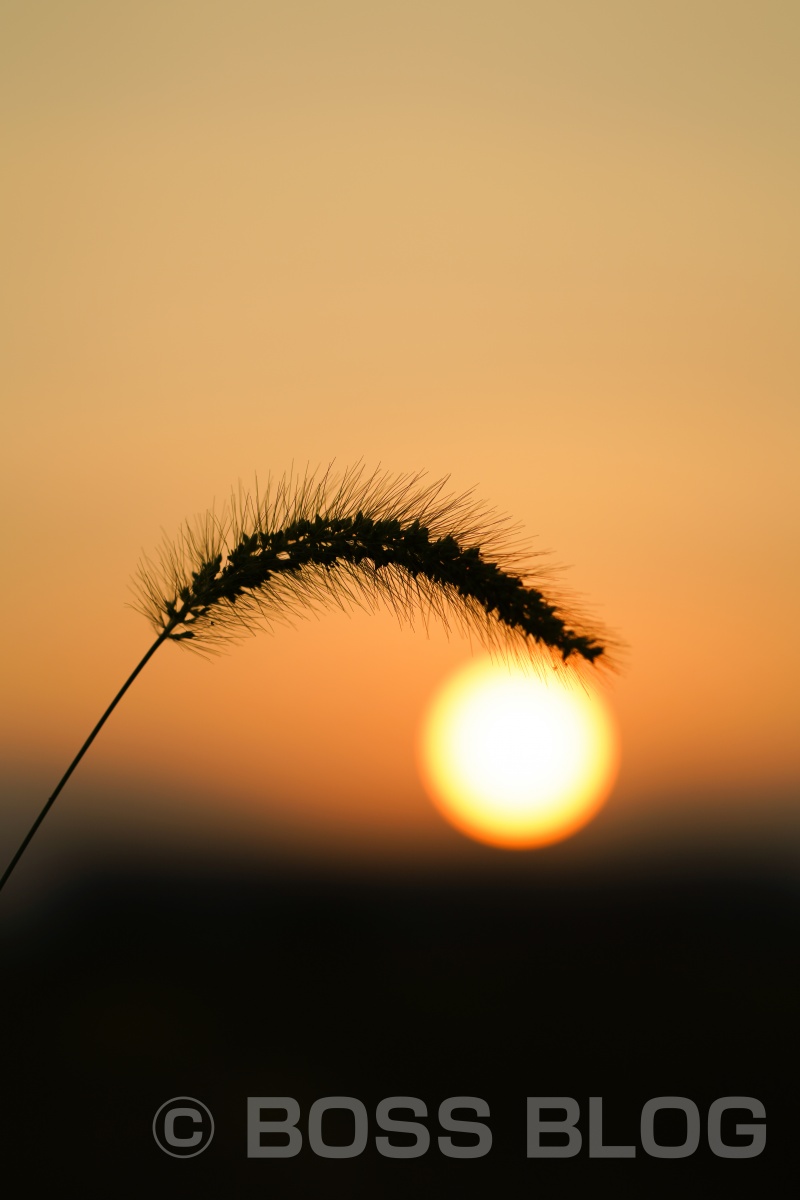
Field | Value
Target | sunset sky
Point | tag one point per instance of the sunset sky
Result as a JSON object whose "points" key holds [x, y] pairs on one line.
{"points": [[551, 251]]}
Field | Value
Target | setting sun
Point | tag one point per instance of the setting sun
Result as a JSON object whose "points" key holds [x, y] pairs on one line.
{"points": [[515, 760]]}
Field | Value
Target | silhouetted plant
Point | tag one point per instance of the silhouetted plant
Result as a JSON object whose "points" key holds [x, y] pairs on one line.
{"points": [[351, 540]]}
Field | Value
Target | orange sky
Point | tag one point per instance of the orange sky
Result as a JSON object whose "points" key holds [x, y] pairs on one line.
{"points": [[551, 250]]}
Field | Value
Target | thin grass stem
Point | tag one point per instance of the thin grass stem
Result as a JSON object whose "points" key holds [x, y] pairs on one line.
{"points": [[29, 836]]}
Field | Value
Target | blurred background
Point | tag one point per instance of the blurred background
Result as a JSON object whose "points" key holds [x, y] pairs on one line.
{"points": [[550, 251]]}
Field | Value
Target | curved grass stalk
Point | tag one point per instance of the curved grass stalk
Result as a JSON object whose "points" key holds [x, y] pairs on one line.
{"points": [[353, 540]]}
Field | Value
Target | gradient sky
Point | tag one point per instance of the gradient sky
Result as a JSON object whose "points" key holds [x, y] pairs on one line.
{"points": [[549, 250]]}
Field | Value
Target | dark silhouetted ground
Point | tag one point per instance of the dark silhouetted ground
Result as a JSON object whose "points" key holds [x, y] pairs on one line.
{"points": [[223, 984]]}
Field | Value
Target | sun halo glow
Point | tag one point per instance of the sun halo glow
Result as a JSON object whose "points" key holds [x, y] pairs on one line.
{"points": [[516, 760]]}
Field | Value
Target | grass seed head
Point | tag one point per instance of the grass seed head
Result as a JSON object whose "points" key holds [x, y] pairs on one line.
{"points": [[359, 539]]}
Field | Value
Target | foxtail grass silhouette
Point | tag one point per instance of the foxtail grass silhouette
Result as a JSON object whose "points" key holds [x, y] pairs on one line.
{"points": [[353, 540]]}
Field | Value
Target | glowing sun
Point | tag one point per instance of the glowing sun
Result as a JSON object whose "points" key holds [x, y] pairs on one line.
{"points": [[516, 760]]}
